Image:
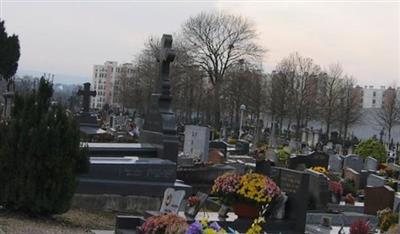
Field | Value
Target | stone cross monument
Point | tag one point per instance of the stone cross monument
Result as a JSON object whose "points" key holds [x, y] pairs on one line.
{"points": [[160, 125], [86, 93]]}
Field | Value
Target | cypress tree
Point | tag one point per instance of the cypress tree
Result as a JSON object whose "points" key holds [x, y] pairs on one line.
{"points": [[40, 155]]}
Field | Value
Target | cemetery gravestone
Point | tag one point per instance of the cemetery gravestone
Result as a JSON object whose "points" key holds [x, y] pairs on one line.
{"points": [[160, 125], [196, 142], [378, 198], [335, 163], [315, 159], [375, 181], [371, 164], [350, 174], [86, 93], [220, 145], [319, 194], [295, 184], [353, 161]]}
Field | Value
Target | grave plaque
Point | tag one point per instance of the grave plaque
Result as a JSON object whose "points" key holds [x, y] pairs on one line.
{"points": [[220, 145], [172, 201], [353, 161], [196, 142], [378, 198]]}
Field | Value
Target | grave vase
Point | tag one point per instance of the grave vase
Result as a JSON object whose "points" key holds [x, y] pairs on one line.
{"points": [[246, 210]]}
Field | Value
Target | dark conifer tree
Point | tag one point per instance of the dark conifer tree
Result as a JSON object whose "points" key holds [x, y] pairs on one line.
{"points": [[40, 155], [9, 54]]}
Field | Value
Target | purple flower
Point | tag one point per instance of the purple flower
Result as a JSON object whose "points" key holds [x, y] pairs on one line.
{"points": [[215, 226], [195, 228]]}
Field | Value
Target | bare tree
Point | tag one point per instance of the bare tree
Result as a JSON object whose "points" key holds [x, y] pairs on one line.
{"points": [[329, 95], [125, 88], [389, 114], [216, 41], [349, 110], [303, 77]]}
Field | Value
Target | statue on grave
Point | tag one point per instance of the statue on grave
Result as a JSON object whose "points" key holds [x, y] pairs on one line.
{"points": [[86, 93]]}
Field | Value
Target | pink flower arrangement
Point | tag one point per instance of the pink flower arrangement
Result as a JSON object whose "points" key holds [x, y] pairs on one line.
{"points": [[359, 227], [226, 184], [166, 223], [336, 187]]}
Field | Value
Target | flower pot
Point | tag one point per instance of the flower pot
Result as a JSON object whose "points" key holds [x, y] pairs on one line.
{"points": [[246, 210]]}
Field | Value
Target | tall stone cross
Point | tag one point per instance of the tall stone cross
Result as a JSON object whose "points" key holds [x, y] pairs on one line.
{"points": [[167, 55], [86, 93]]}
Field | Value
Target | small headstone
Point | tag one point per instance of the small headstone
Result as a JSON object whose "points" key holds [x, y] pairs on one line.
{"points": [[350, 174], [354, 162], [375, 181], [335, 163], [219, 145], [378, 198], [172, 200], [196, 142], [371, 164], [318, 191]]}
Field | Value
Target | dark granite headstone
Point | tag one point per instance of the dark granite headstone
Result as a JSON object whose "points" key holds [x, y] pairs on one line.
{"points": [[295, 184], [319, 194], [264, 167], [242, 147], [315, 159], [86, 93], [378, 198], [160, 125], [220, 145]]}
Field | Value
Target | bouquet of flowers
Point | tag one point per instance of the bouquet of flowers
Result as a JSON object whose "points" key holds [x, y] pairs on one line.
{"points": [[335, 187], [322, 170], [166, 223], [193, 200], [387, 219], [226, 186], [251, 187], [257, 188]]}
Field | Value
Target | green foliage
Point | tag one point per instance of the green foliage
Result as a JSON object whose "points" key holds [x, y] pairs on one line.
{"points": [[40, 155], [283, 155], [372, 148], [9, 53], [348, 187]]}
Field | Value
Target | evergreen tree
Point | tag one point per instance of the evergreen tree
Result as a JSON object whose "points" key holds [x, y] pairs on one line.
{"points": [[9, 54], [40, 155]]}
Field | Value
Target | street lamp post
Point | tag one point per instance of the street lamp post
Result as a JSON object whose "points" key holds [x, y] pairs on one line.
{"points": [[242, 109]]}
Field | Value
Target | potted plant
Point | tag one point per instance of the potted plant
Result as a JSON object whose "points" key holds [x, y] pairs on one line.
{"points": [[246, 193], [165, 223], [321, 170]]}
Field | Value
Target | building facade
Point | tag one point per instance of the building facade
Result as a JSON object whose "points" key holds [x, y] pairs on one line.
{"points": [[105, 81]]}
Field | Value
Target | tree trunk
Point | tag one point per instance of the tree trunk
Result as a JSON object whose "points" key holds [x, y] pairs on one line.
{"points": [[217, 108]]}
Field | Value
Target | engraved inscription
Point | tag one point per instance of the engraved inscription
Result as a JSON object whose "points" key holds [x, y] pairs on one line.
{"points": [[290, 183]]}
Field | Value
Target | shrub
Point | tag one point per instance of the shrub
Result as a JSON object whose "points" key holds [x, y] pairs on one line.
{"points": [[40, 155], [372, 148]]}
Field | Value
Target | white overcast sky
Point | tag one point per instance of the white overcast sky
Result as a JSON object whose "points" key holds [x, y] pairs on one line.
{"points": [[68, 37]]}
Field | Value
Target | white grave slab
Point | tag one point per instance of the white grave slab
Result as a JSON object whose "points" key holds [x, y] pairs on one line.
{"points": [[196, 142]]}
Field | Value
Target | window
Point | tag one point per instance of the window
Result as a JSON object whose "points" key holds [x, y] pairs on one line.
{"points": [[373, 101], [374, 94]]}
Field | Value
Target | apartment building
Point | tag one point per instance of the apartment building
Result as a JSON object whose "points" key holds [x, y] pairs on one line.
{"points": [[105, 80], [375, 97]]}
